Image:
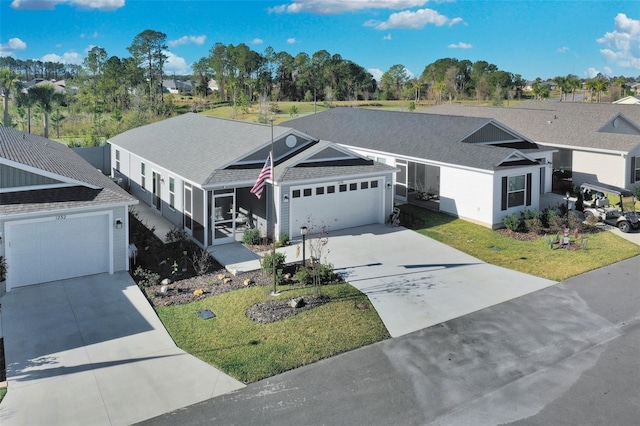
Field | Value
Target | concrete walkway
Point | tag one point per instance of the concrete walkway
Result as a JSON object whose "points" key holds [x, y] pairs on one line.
{"points": [[92, 351]]}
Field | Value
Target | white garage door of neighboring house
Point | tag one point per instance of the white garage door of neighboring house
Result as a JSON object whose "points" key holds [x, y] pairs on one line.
{"points": [[56, 248], [336, 205]]}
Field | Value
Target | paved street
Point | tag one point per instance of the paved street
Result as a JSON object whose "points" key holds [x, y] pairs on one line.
{"points": [[564, 355]]}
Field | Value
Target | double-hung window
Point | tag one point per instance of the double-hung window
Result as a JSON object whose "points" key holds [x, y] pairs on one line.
{"points": [[142, 175], [172, 192], [516, 187]]}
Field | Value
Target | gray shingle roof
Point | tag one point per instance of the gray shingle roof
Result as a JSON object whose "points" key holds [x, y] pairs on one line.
{"points": [[433, 137], [194, 145], [89, 186], [199, 148], [558, 123]]}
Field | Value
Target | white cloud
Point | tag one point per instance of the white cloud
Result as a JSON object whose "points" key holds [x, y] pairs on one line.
{"points": [[175, 64], [94, 35], [199, 40], [622, 46], [563, 49], [413, 20], [257, 41], [66, 58], [51, 4], [593, 72], [376, 73], [12, 46], [334, 7], [460, 45], [387, 37], [291, 40]]}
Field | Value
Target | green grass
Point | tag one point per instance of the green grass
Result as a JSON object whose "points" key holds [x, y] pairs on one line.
{"points": [[249, 351], [532, 257], [3, 392]]}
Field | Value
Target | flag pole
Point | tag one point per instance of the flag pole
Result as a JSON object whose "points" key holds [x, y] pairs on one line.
{"points": [[273, 213]]}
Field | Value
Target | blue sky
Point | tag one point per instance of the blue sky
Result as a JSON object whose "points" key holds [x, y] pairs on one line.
{"points": [[531, 38]]}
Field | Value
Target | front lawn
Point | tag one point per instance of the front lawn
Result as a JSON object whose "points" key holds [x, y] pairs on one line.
{"points": [[533, 256], [250, 351]]}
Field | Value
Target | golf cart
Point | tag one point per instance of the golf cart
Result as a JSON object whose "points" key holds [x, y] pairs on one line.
{"points": [[596, 204]]}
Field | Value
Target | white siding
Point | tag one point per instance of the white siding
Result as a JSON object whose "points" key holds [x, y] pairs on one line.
{"points": [[500, 214], [467, 194], [601, 167]]}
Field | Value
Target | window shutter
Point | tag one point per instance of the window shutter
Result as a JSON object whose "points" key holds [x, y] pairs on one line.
{"points": [[633, 170], [529, 181], [504, 193]]}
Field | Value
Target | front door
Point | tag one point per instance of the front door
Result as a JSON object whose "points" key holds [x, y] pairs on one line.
{"points": [[157, 185], [223, 218]]}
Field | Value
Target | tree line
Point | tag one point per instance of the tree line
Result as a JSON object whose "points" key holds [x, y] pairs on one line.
{"points": [[110, 85]]}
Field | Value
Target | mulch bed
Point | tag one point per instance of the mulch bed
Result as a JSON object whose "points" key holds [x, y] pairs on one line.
{"points": [[276, 310]]}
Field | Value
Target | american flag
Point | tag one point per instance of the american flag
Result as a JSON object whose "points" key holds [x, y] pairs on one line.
{"points": [[265, 173]]}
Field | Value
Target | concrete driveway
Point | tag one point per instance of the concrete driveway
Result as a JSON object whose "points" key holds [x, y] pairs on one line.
{"points": [[415, 282], [91, 351]]}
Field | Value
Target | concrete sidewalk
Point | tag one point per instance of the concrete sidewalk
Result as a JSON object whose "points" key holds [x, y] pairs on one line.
{"points": [[92, 351]]}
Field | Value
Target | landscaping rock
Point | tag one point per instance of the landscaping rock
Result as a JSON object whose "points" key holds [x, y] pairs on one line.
{"points": [[226, 280], [296, 302], [247, 282], [166, 281], [164, 289]]}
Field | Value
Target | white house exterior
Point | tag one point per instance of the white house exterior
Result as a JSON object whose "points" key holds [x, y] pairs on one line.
{"points": [[59, 217], [594, 142], [473, 168], [197, 171]]}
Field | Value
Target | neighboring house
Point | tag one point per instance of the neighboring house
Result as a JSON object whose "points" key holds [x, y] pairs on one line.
{"points": [[177, 86], [473, 168], [197, 171], [595, 142], [629, 100], [59, 217], [60, 86]]}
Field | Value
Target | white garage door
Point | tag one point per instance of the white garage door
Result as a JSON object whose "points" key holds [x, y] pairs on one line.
{"points": [[337, 205], [57, 248]]}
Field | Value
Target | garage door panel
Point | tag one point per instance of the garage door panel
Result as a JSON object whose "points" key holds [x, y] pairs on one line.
{"points": [[337, 210], [55, 249]]}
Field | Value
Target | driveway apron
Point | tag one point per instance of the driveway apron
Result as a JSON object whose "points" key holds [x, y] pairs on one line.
{"points": [[415, 282], [91, 350]]}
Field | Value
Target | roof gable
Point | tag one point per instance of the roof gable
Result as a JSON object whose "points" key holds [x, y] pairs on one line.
{"points": [[15, 177], [50, 168], [620, 125], [494, 134], [435, 138]]}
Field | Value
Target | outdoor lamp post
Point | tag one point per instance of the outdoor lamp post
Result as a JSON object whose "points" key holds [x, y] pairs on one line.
{"points": [[566, 196], [303, 232]]}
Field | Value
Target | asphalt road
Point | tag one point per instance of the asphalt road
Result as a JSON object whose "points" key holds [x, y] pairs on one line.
{"points": [[565, 355]]}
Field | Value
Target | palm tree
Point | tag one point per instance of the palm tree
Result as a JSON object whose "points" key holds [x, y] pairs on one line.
{"points": [[573, 83], [45, 96], [8, 83]]}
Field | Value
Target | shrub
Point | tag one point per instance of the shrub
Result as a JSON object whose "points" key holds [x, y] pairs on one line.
{"points": [[636, 192], [273, 259], [176, 235], [575, 221], [146, 278], [303, 275], [201, 261], [534, 225], [511, 222], [557, 223], [251, 236], [284, 240], [322, 272]]}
